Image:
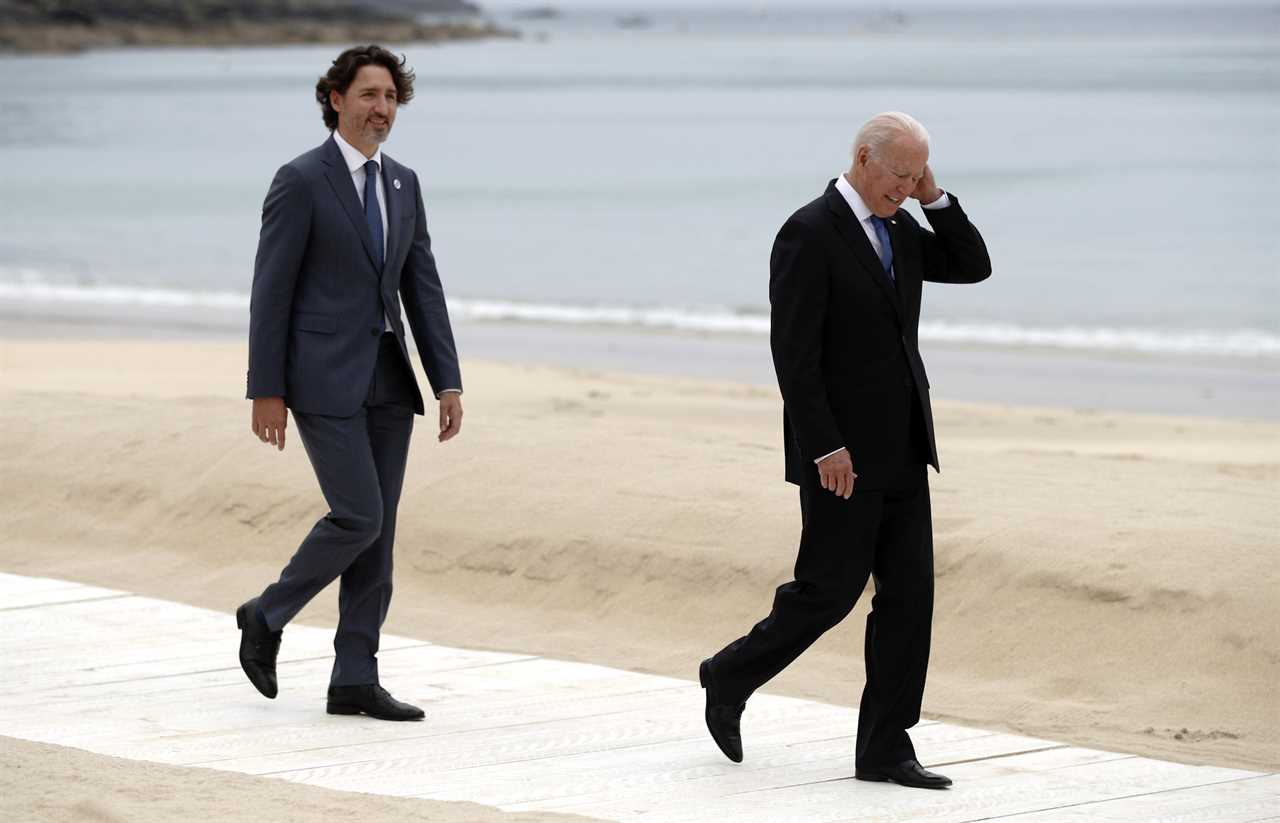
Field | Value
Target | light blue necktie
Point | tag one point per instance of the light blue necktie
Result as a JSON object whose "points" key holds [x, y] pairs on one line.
{"points": [[373, 214], [886, 248]]}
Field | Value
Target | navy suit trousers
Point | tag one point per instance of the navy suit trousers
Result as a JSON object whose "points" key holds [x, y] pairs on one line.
{"points": [[359, 463]]}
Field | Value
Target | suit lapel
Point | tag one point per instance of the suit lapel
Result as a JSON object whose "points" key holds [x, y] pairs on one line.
{"points": [[846, 223], [340, 180]]}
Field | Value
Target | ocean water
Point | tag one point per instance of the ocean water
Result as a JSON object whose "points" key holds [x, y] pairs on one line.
{"points": [[1121, 164]]}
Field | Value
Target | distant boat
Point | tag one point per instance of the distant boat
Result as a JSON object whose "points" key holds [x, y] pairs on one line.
{"points": [[634, 21]]}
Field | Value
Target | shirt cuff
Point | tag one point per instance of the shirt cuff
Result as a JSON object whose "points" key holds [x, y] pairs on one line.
{"points": [[449, 391], [828, 454], [941, 203]]}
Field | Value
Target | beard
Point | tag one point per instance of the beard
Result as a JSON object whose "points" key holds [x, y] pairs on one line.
{"points": [[375, 133]]}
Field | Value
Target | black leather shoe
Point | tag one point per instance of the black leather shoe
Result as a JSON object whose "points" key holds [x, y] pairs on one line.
{"points": [[372, 700], [723, 719], [907, 773], [258, 649]]}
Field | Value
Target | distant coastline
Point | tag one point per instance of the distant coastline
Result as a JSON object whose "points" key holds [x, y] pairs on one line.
{"points": [[111, 24]]}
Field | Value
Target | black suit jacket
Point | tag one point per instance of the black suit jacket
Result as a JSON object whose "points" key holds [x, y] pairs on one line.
{"points": [[844, 337], [319, 298]]}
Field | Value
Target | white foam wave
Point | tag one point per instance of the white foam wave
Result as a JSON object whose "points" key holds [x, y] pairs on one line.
{"points": [[1241, 343], [121, 295], [702, 320], [1248, 343]]}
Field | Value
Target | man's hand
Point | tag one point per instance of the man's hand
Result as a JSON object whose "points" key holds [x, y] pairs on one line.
{"points": [[269, 420], [450, 415], [926, 190], [836, 473]]}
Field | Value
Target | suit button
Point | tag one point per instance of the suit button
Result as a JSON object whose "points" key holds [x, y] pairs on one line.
{"points": [[375, 331]]}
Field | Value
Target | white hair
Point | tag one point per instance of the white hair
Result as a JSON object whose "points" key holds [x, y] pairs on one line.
{"points": [[886, 128]]}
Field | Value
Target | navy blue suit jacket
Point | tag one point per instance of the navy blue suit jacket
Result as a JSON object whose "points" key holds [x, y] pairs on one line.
{"points": [[319, 298], [845, 338]]}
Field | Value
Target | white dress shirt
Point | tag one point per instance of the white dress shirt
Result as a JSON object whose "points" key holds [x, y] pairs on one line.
{"points": [[864, 214], [355, 164]]}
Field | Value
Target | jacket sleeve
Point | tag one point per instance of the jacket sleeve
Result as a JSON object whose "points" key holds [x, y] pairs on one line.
{"points": [[954, 251], [282, 243], [425, 308], [799, 285]]}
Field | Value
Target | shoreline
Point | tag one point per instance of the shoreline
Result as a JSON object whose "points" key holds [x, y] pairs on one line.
{"points": [[1055, 378]]}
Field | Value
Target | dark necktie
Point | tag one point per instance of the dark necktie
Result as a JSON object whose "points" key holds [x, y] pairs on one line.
{"points": [[886, 248], [373, 214]]}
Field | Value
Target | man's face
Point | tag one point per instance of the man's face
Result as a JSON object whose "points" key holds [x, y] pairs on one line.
{"points": [[368, 109], [885, 180]]}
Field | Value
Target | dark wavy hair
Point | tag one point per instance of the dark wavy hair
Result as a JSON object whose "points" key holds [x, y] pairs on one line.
{"points": [[343, 72]]}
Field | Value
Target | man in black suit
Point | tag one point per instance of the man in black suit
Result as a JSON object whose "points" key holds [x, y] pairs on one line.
{"points": [[343, 241], [845, 282]]}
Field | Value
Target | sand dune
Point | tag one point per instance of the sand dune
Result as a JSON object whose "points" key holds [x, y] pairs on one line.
{"points": [[1104, 579]]}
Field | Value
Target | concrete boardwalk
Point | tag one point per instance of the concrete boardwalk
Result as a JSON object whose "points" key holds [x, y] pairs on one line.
{"points": [[147, 679]]}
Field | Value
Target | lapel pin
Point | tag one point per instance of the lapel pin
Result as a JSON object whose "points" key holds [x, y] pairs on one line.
{"points": [[396, 183]]}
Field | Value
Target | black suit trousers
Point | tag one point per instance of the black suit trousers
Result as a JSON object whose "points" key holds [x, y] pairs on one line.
{"points": [[885, 535], [359, 462]]}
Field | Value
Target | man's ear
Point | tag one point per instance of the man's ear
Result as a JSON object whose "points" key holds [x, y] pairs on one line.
{"points": [[335, 100]]}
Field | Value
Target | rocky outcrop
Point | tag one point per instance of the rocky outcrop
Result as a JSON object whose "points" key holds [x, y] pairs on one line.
{"points": [[72, 25]]}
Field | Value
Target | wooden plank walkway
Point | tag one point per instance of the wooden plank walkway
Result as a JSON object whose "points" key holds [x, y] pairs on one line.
{"points": [[147, 679]]}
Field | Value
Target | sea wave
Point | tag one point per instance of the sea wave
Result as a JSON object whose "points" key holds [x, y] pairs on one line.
{"points": [[124, 296], [1243, 343], [1238, 343]]}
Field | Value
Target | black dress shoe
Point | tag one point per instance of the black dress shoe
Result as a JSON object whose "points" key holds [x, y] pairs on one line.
{"points": [[723, 719], [907, 773], [258, 649], [370, 699]]}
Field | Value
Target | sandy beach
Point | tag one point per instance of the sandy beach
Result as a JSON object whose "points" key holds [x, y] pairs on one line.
{"points": [[1105, 579], [52, 784]]}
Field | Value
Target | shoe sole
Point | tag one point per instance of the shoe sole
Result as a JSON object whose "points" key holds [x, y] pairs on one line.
{"points": [[345, 709], [878, 778]]}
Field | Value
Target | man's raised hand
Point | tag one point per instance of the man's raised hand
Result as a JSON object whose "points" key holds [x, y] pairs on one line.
{"points": [[926, 190]]}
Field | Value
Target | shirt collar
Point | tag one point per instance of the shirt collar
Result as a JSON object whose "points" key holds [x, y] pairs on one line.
{"points": [[851, 196], [355, 160]]}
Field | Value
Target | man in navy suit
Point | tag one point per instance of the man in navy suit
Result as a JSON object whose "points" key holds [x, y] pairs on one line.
{"points": [[343, 247], [845, 281]]}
